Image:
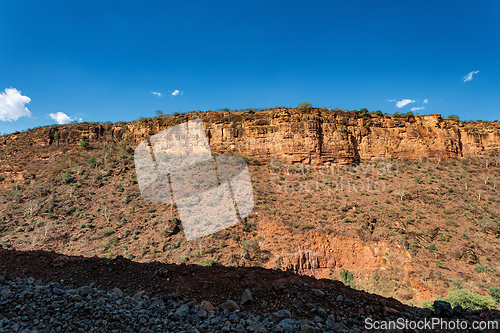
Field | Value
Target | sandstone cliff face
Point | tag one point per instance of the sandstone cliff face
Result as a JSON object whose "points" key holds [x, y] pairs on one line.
{"points": [[291, 135]]}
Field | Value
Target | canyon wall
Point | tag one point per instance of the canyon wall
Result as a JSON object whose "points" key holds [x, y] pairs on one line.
{"points": [[292, 135]]}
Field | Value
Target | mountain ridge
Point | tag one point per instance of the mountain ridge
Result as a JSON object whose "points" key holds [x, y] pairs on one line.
{"points": [[293, 135]]}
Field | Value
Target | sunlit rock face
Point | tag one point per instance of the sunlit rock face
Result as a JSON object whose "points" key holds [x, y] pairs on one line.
{"points": [[292, 135]]}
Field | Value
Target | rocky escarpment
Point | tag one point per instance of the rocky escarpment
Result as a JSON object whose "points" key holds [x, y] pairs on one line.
{"points": [[292, 135]]}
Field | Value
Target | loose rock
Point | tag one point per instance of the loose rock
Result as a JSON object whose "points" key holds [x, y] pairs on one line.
{"points": [[230, 305], [246, 297]]}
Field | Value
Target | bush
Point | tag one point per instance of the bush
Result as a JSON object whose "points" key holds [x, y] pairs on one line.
{"points": [[456, 283], [304, 106], [84, 144], [307, 226], [495, 293], [409, 221], [207, 262], [428, 305], [143, 120], [453, 117], [108, 231], [470, 300], [480, 268], [247, 226], [347, 278], [67, 178], [92, 162]]}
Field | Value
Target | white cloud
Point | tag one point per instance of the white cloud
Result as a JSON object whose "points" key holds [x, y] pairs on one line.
{"points": [[426, 101], [156, 93], [404, 102], [175, 92], [62, 118], [12, 105], [391, 100], [413, 109], [468, 77]]}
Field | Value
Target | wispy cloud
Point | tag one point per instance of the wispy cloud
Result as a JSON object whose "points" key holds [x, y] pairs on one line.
{"points": [[468, 77], [404, 102], [12, 105], [426, 101], [413, 109], [156, 93], [391, 100], [62, 118], [176, 92]]}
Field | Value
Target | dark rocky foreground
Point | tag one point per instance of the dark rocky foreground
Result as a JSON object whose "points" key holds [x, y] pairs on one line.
{"points": [[47, 292]]}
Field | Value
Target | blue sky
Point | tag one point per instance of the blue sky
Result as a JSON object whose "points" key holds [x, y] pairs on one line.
{"points": [[102, 60]]}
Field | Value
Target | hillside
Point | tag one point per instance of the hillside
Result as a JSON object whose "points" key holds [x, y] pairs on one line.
{"points": [[409, 206]]}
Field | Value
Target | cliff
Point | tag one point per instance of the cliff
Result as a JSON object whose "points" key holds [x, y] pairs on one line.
{"points": [[291, 135]]}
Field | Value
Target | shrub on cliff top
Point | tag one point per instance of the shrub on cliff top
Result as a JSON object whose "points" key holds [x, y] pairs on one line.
{"points": [[143, 120], [304, 106]]}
